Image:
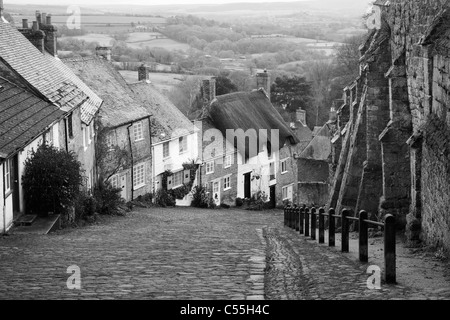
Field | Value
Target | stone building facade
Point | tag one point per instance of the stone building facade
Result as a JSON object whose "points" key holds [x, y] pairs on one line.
{"points": [[394, 126]]}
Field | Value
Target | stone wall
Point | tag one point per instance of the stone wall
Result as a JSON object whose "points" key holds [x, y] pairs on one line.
{"points": [[414, 142]]}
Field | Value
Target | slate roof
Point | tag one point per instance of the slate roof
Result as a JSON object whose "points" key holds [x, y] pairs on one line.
{"points": [[167, 119], [23, 117], [45, 74], [120, 106], [249, 110]]}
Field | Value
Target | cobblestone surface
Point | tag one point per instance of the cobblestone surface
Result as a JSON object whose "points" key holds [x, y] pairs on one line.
{"points": [[185, 253]]}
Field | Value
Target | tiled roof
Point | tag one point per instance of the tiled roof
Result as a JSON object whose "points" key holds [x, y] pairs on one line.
{"points": [[167, 118], [23, 117], [249, 110], [45, 73], [120, 106]]}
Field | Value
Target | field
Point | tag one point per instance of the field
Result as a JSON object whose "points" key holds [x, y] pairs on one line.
{"points": [[164, 82], [102, 39], [98, 19], [168, 44]]}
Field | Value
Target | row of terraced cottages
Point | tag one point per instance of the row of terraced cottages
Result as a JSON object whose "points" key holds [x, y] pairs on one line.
{"points": [[68, 103]]}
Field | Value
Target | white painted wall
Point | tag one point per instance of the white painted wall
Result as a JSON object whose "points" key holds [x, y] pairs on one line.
{"points": [[6, 205], [257, 165], [175, 160]]}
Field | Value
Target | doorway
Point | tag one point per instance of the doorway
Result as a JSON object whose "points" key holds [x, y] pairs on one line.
{"points": [[15, 186], [273, 197], [247, 185]]}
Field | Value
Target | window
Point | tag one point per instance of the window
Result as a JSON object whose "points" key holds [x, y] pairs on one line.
{"points": [[272, 171], [8, 167], [138, 132], [287, 192], [210, 167], [178, 179], [48, 137], [139, 176], [85, 137], [111, 140], [183, 144], [70, 126], [115, 181], [166, 151], [284, 167], [228, 161], [226, 183], [216, 187]]}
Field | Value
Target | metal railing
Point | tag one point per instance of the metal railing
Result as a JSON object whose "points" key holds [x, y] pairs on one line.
{"points": [[304, 220]]}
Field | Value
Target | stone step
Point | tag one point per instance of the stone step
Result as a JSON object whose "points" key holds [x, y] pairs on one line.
{"points": [[25, 220]]}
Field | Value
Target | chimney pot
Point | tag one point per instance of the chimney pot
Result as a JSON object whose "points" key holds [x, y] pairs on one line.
{"points": [[25, 23], [104, 52], [38, 17], [35, 26], [49, 19], [143, 73], [44, 17]]}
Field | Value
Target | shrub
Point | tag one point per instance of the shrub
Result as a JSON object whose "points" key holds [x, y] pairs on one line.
{"points": [[164, 199], [51, 181], [108, 198], [199, 197], [239, 202]]}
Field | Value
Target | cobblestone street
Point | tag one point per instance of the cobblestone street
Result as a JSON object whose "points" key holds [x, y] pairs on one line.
{"points": [[185, 253]]}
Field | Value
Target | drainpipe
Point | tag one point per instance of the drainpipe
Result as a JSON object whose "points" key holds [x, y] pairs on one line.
{"points": [[4, 200], [151, 152], [132, 161], [66, 138]]}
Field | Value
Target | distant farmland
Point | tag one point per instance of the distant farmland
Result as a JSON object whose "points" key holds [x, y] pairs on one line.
{"points": [[100, 23]]}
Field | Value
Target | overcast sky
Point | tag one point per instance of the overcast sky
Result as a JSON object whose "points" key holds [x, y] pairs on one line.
{"points": [[136, 2]]}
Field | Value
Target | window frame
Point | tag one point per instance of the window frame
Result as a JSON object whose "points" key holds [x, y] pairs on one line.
{"points": [[228, 163], [137, 170], [138, 131], [180, 175], [227, 183], [182, 145], [209, 167], [7, 175], [283, 163], [168, 150]]}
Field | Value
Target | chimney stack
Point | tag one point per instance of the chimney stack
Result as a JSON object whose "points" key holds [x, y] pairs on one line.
{"points": [[301, 116], [38, 17], [50, 34], [143, 74], [208, 91], [49, 19], [25, 23], [263, 82], [104, 52]]}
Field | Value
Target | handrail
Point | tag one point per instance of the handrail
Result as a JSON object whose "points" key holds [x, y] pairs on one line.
{"points": [[304, 220]]}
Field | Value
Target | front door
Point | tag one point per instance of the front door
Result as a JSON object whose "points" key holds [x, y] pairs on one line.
{"points": [[15, 186], [123, 185], [216, 192], [273, 197], [247, 185]]}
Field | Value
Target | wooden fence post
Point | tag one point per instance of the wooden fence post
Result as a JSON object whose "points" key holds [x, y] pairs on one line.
{"points": [[332, 228], [363, 237], [389, 249], [345, 231], [313, 223], [307, 222], [321, 225]]}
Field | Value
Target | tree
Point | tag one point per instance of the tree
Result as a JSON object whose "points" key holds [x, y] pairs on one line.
{"points": [[348, 54], [110, 158], [51, 181], [224, 86], [292, 93]]}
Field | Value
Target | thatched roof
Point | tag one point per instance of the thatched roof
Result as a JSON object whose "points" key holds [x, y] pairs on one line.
{"points": [[246, 111]]}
